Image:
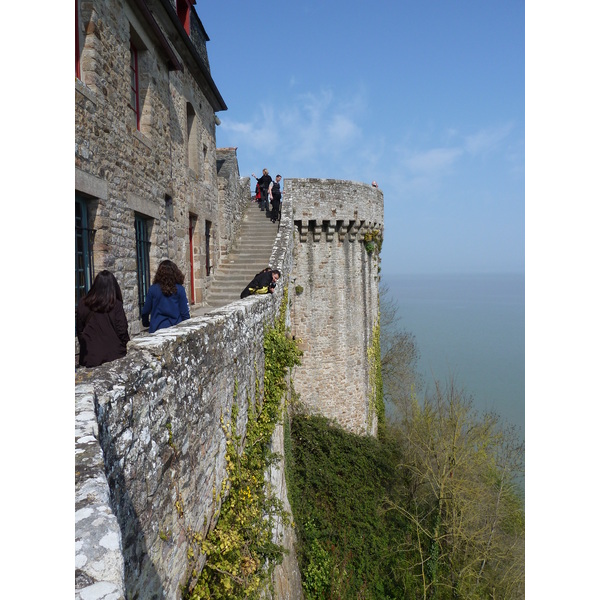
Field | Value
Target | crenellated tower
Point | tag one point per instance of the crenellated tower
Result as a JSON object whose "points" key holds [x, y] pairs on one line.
{"points": [[335, 301]]}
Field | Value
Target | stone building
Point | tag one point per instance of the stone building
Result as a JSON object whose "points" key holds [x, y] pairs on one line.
{"points": [[146, 180]]}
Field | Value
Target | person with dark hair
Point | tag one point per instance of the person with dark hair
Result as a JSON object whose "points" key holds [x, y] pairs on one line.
{"points": [[263, 283], [166, 301], [264, 182], [275, 196], [101, 323]]}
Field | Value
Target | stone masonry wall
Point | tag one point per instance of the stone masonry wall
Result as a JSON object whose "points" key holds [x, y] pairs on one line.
{"points": [[335, 299], [159, 429], [150, 450]]}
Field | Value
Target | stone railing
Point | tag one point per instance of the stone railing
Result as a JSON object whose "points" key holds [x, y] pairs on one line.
{"points": [[150, 449]]}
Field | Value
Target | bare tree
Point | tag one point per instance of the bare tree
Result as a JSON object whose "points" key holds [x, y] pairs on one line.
{"points": [[461, 496], [399, 356]]}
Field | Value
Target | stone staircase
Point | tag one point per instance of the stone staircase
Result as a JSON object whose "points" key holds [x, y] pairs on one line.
{"points": [[250, 254]]}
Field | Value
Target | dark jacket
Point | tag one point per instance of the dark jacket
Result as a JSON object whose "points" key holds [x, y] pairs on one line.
{"points": [[259, 285], [264, 181], [162, 311], [102, 336], [276, 191]]}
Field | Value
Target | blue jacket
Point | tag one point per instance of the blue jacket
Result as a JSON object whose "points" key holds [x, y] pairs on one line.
{"points": [[164, 311]]}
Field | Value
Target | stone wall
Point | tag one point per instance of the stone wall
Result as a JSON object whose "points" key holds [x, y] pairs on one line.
{"points": [[234, 196], [159, 432], [335, 296]]}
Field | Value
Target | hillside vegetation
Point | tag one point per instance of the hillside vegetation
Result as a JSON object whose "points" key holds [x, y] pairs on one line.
{"points": [[433, 509]]}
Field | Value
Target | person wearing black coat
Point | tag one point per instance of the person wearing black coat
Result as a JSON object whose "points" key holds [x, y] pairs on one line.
{"points": [[275, 194], [263, 283], [264, 182], [101, 323]]}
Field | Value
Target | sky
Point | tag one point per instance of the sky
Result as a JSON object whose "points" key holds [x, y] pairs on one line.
{"points": [[426, 98]]}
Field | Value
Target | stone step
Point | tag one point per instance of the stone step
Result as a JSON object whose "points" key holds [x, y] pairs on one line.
{"points": [[235, 280], [262, 243], [250, 254], [244, 262]]}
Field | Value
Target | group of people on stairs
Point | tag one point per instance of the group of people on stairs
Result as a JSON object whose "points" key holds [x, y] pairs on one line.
{"points": [[269, 190]]}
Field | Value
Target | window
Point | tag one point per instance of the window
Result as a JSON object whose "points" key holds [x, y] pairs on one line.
{"points": [[134, 91], [192, 139], [183, 12], [142, 248], [84, 238]]}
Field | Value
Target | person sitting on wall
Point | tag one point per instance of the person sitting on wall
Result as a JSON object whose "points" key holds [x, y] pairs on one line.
{"points": [[166, 301], [101, 323], [263, 283]]}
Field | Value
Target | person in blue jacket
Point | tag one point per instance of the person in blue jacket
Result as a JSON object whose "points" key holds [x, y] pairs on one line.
{"points": [[166, 301]]}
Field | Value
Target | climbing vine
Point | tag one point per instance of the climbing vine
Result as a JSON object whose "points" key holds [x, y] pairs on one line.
{"points": [[240, 551], [376, 404]]}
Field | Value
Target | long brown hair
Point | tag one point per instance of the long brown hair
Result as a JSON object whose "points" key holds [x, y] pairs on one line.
{"points": [[168, 276], [103, 294]]}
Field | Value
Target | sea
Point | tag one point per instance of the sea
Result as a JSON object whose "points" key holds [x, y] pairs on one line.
{"points": [[471, 328]]}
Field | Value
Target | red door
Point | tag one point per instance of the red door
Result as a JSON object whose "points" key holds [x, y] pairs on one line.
{"points": [[191, 236]]}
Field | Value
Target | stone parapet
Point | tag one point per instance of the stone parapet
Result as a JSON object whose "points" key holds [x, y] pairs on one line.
{"points": [[99, 571], [333, 201], [160, 440]]}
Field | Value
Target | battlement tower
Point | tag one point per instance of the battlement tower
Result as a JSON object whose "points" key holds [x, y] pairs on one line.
{"points": [[335, 296]]}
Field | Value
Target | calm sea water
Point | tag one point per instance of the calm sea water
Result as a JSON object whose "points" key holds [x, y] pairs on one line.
{"points": [[470, 327]]}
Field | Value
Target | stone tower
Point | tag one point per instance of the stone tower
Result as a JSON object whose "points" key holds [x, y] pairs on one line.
{"points": [[335, 301]]}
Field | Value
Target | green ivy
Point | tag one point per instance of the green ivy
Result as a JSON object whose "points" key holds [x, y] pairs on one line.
{"points": [[240, 552], [376, 404], [346, 544], [373, 241]]}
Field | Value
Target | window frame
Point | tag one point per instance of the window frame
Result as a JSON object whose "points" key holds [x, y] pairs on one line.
{"points": [[134, 83], [184, 9], [193, 219], [207, 242], [84, 255], [142, 254]]}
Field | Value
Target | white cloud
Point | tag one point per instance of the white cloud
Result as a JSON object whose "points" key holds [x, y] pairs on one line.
{"points": [[433, 161], [487, 139]]}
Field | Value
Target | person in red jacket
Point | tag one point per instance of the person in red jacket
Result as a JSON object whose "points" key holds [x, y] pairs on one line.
{"points": [[101, 323]]}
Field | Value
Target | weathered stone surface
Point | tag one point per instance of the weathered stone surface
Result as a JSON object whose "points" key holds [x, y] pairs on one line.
{"points": [[149, 444], [166, 171], [98, 552]]}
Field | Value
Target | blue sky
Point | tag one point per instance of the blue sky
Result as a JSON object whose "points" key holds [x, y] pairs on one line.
{"points": [[427, 98]]}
